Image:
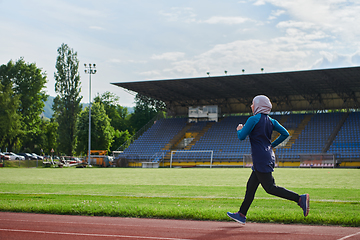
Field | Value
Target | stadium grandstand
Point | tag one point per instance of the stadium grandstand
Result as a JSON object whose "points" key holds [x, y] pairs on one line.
{"points": [[320, 109]]}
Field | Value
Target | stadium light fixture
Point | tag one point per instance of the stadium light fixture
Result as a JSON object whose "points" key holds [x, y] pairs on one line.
{"points": [[90, 69]]}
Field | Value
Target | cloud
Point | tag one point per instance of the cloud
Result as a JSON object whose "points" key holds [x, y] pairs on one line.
{"points": [[182, 14], [96, 28], [335, 16], [152, 73], [64, 11], [275, 14], [251, 55], [226, 20], [187, 15], [171, 56], [334, 60], [296, 24], [116, 61], [259, 3], [355, 59]]}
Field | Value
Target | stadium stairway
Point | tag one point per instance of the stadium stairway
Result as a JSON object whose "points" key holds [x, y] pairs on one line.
{"points": [[335, 132], [178, 137], [199, 135], [197, 130], [296, 133]]}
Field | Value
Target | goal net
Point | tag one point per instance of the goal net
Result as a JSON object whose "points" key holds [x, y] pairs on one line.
{"points": [[179, 156], [317, 160], [247, 160]]}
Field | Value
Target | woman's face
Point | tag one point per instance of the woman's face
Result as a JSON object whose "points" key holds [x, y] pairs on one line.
{"points": [[252, 107]]}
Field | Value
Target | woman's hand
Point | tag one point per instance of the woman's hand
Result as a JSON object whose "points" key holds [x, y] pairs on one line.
{"points": [[239, 127]]}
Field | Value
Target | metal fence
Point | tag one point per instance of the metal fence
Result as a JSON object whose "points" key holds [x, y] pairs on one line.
{"points": [[22, 163]]}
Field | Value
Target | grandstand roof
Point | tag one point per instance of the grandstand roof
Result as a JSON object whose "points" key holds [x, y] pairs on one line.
{"points": [[310, 90]]}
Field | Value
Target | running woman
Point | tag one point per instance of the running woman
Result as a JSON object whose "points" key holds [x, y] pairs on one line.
{"points": [[259, 128]]}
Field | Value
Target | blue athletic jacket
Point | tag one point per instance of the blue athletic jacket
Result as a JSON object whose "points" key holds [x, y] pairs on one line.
{"points": [[259, 128]]}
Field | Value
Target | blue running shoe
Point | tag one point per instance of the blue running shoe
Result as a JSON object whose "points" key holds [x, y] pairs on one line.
{"points": [[304, 203], [237, 217]]}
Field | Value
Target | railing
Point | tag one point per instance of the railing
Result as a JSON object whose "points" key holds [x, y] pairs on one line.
{"points": [[157, 157], [126, 144]]}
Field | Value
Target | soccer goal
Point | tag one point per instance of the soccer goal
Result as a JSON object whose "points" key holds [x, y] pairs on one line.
{"points": [[192, 155], [247, 160], [317, 160]]}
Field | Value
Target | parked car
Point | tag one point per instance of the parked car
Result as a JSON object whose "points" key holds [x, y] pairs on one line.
{"points": [[27, 156], [14, 156], [38, 157], [4, 157]]}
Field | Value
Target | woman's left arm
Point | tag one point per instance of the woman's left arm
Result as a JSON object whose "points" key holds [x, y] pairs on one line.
{"points": [[283, 133]]}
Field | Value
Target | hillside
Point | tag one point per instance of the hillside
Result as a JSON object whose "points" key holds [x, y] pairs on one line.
{"points": [[48, 112]]}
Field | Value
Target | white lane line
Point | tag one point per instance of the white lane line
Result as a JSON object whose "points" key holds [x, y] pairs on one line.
{"points": [[349, 236], [166, 227], [89, 234], [240, 227]]}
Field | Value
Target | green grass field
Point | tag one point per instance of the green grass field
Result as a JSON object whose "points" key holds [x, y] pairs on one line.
{"points": [[180, 193]]}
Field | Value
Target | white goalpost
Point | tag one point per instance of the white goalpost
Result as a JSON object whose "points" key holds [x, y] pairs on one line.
{"points": [[247, 160], [320, 160], [192, 155]]}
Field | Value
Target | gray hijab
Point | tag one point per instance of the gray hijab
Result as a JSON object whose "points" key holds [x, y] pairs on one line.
{"points": [[262, 104]]}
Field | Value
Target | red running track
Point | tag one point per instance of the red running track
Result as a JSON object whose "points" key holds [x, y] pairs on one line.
{"points": [[42, 226]]}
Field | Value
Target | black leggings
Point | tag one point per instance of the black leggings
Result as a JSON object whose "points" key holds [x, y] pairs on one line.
{"points": [[267, 181]]}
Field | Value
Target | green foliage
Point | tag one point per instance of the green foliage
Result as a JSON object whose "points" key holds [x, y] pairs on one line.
{"points": [[29, 83], [101, 131], [10, 120], [119, 118], [26, 82], [119, 115], [50, 136], [146, 108], [119, 139], [144, 102], [67, 103]]}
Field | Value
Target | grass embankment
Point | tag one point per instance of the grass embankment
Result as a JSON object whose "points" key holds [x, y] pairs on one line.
{"points": [[200, 194]]}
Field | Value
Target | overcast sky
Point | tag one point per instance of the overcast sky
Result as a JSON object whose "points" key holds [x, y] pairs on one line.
{"points": [[137, 40]]}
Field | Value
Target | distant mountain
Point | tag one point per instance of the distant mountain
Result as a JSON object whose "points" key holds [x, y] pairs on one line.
{"points": [[48, 112]]}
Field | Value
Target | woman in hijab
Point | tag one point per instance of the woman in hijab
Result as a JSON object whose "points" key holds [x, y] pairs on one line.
{"points": [[259, 129]]}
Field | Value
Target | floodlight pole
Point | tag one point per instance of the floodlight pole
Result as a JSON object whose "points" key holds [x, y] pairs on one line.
{"points": [[90, 70]]}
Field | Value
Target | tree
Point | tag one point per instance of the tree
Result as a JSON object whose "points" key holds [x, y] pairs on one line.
{"points": [[25, 82], [145, 102], [119, 118], [120, 137], [102, 132], [50, 129], [67, 103], [29, 83], [146, 108], [10, 120], [118, 115]]}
